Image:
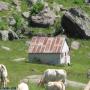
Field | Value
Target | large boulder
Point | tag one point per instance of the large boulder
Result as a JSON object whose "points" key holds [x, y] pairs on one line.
{"points": [[44, 19], [76, 23], [4, 6]]}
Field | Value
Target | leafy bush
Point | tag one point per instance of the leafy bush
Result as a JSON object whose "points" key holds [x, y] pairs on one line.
{"points": [[36, 8], [18, 21], [78, 1], [57, 27]]}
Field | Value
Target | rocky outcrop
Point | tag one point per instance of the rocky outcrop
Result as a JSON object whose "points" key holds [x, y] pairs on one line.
{"points": [[76, 23], [4, 6], [44, 19], [8, 35]]}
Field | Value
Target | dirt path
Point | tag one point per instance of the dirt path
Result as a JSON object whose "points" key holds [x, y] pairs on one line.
{"points": [[36, 79]]}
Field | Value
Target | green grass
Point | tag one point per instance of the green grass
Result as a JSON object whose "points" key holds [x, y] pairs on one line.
{"points": [[80, 60], [44, 31]]}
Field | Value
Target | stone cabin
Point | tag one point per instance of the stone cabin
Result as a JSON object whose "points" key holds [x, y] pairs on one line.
{"points": [[49, 50]]}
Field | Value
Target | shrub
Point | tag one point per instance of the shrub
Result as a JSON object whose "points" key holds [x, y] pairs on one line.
{"points": [[57, 27], [36, 8], [18, 21]]}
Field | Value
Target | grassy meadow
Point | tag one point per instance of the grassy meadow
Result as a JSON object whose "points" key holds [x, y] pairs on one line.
{"points": [[80, 63]]}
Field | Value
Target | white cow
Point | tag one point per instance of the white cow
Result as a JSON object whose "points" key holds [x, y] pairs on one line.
{"points": [[22, 86], [53, 75], [3, 75], [87, 86], [56, 85]]}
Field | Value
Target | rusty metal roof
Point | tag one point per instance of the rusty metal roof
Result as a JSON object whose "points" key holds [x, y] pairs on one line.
{"points": [[46, 44]]}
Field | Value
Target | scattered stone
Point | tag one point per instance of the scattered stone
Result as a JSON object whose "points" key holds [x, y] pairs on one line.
{"points": [[35, 1], [26, 14], [76, 23], [4, 6], [75, 45], [44, 19], [19, 59], [27, 43], [11, 21], [6, 48], [33, 78]]}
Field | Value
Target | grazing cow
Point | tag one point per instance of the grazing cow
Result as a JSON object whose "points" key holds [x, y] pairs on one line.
{"points": [[3, 75], [22, 86], [53, 75], [87, 86], [56, 85]]}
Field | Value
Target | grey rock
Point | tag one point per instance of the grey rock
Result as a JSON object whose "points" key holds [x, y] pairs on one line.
{"points": [[8, 35], [4, 35], [26, 14], [35, 1], [44, 19], [4, 6], [75, 45], [87, 1], [76, 23], [12, 35], [11, 21]]}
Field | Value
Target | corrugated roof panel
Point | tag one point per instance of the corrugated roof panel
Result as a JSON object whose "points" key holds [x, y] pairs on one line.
{"points": [[46, 44], [45, 41], [52, 45]]}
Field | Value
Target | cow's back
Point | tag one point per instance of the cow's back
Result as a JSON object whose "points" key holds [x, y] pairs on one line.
{"points": [[50, 75], [54, 75]]}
